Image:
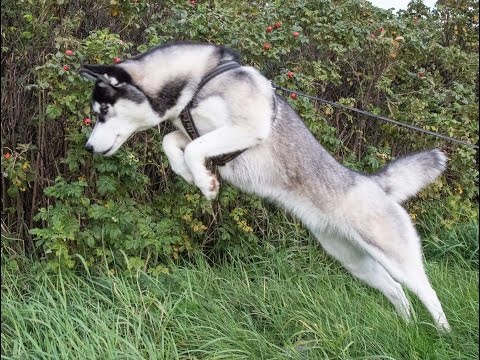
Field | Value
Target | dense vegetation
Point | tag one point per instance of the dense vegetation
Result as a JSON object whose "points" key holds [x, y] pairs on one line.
{"points": [[62, 204]]}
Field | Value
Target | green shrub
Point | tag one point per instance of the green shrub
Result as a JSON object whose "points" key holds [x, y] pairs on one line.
{"points": [[415, 67]]}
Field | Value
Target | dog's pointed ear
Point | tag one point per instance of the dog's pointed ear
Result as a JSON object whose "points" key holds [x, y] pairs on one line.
{"points": [[108, 74], [87, 72]]}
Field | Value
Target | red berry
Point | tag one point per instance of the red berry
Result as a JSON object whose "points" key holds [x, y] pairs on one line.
{"points": [[7, 155], [296, 34], [290, 74], [117, 60], [192, 2], [87, 121], [269, 29], [294, 96], [421, 74], [267, 46], [69, 52], [66, 67], [277, 24]]}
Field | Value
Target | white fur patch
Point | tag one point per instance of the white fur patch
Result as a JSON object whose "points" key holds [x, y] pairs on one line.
{"points": [[113, 80], [96, 107]]}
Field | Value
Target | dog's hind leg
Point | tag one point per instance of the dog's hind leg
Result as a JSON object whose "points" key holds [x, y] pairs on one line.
{"points": [[394, 243], [411, 273], [418, 283], [414, 275], [363, 266], [173, 145]]}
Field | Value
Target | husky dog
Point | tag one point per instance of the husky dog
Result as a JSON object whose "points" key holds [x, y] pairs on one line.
{"points": [[357, 218]]}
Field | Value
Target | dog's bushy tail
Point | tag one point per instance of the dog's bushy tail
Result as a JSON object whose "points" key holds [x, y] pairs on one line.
{"points": [[404, 177]]}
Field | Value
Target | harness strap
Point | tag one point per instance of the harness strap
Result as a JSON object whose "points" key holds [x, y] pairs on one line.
{"points": [[186, 116]]}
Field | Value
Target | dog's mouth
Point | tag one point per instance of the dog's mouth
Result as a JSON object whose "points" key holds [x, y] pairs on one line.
{"points": [[115, 146], [105, 153], [111, 151]]}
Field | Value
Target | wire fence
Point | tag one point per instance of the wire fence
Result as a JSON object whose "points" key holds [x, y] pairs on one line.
{"points": [[377, 117]]}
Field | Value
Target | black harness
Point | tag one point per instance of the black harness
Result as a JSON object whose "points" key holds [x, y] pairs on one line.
{"points": [[186, 116]]}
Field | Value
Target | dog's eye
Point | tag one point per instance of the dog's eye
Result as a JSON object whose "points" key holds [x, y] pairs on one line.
{"points": [[104, 110]]}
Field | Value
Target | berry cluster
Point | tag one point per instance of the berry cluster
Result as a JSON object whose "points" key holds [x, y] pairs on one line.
{"points": [[276, 25]]}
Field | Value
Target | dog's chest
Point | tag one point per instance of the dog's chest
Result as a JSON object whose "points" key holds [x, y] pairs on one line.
{"points": [[210, 114]]}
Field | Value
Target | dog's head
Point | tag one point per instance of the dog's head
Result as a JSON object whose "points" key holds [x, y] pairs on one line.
{"points": [[121, 109]]}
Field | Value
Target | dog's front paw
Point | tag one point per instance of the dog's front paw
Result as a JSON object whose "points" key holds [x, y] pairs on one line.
{"points": [[209, 186]]}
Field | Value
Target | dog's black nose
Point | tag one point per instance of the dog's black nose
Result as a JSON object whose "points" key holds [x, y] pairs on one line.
{"points": [[89, 147]]}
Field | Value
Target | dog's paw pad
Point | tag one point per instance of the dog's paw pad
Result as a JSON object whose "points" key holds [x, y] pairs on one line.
{"points": [[214, 184], [212, 187]]}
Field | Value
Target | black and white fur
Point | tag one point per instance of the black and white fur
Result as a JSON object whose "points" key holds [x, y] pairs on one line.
{"points": [[357, 218]]}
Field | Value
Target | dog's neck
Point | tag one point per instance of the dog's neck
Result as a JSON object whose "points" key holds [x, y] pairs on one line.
{"points": [[170, 90]]}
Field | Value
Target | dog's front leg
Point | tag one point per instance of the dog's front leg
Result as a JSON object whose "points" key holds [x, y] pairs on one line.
{"points": [[173, 146], [221, 141]]}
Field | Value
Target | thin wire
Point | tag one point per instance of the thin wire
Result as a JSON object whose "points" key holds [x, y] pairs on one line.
{"points": [[379, 117]]}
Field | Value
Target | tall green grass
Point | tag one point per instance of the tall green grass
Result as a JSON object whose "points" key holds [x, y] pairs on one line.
{"points": [[287, 303], [458, 244]]}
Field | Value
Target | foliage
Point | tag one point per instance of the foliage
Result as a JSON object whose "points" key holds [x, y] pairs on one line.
{"points": [[419, 67]]}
